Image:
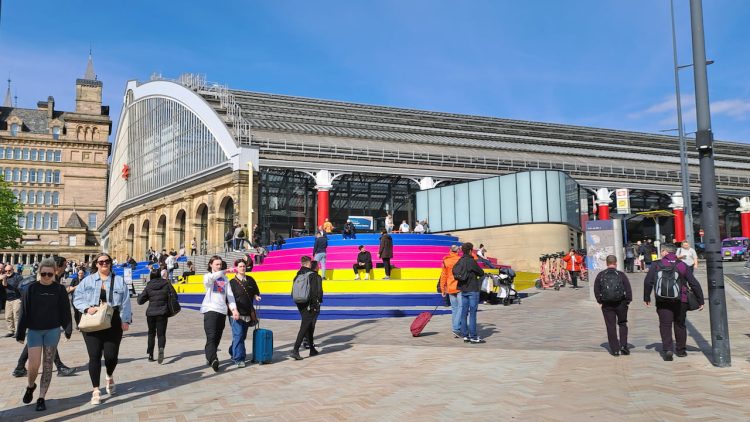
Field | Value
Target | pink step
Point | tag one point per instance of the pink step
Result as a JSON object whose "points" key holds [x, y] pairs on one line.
{"points": [[350, 256], [297, 252], [348, 265]]}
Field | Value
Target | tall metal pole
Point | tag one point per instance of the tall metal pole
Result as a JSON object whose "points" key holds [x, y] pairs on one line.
{"points": [[717, 304], [684, 173]]}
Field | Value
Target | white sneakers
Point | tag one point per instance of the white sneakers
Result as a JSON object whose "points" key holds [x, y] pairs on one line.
{"points": [[356, 277], [367, 276]]}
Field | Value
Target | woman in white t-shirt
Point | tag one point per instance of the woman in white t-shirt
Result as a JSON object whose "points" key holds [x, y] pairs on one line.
{"points": [[404, 227], [688, 255], [214, 307]]}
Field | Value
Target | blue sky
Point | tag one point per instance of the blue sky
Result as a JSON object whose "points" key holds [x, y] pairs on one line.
{"points": [[598, 63]]}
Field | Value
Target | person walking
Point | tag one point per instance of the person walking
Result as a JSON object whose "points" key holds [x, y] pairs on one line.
{"points": [[469, 276], [229, 240], [647, 251], [214, 308], [573, 263], [11, 281], [104, 286], [80, 275], [156, 293], [45, 309], [242, 315], [688, 255], [319, 251], [364, 262], [449, 287], [193, 247], [613, 294], [672, 312], [385, 252], [309, 310], [630, 254]]}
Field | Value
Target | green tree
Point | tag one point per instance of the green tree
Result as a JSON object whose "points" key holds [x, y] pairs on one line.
{"points": [[10, 211]]}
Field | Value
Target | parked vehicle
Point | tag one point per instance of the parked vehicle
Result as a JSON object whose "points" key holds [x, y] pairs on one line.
{"points": [[735, 248]]}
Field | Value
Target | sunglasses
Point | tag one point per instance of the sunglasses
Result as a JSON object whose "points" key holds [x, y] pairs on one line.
{"points": [[47, 274], [107, 262]]}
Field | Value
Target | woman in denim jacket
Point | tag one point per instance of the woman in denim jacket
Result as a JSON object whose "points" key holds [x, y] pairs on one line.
{"points": [[93, 289]]}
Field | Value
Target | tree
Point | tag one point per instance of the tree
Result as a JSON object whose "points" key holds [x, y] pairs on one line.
{"points": [[10, 211]]}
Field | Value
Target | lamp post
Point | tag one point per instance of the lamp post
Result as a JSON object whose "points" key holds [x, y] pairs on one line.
{"points": [[684, 173]]}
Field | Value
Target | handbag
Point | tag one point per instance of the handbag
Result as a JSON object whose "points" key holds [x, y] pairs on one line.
{"points": [[173, 302], [102, 319], [692, 299]]}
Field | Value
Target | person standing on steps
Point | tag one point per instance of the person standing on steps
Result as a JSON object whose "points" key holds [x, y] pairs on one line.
{"points": [[319, 251], [309, 310], [385, 252], [156, 293], [613, 293]]}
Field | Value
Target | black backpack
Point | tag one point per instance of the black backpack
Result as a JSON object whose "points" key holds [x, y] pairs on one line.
{"points": [[460, 272], [613, 289], [667, 282]]}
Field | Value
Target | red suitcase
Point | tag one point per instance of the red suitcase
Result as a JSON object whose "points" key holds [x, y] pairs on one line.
{"points": [[420, 322]]}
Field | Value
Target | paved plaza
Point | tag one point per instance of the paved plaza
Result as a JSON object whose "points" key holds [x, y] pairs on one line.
{"points": [[544, 360]]}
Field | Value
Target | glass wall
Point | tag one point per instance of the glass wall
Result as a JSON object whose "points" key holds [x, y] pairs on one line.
{"points": [[519, 198]]}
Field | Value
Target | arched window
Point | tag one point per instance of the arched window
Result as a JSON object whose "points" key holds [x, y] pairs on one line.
{"points": [[42, 155], [24, 198], [2, 152], [56, 177], [9, 153], [50, 155], [56, 132], [32, 175], [24, 175], [16, 175], [22, 221], [29, 220], [55, 198], [25, 153], [48, 198], [14, 129], [39, 197], [16, 153], [16, 194], [8, 175], [33, 155], [32, 198], [58, 156], [47, 221], [38, 221], [55, 225], [48, 176]]}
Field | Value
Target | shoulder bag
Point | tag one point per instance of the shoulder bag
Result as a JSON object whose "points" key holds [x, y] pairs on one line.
{"points": [[173, 302], [692, 300], [253, 314], [102, 319]]}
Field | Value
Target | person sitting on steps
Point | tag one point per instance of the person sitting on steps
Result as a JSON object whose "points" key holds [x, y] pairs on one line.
{"points": [[364, 261]]}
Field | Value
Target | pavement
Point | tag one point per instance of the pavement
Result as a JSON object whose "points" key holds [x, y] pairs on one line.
{"points": [[544, 360]]}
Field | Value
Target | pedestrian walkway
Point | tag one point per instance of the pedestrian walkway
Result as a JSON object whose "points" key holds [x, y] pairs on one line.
{"points": [[544, 360]]}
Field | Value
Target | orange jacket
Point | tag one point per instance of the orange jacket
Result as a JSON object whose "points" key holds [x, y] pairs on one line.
{"points": [[448, 284], [574, 262]]}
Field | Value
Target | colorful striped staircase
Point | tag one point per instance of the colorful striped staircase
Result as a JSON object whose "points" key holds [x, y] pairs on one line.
{"points": [[412, 288]]}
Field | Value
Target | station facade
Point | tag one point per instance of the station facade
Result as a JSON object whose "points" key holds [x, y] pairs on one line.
{"points": [[193, 158]]}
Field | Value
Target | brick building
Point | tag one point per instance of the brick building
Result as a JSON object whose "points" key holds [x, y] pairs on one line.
{"points": [[56, 164]]}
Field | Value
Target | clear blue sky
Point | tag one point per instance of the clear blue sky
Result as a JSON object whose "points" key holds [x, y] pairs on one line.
{"points": [[599, 63]]}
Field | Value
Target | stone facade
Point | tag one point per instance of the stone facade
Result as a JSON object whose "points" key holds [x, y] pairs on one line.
{"points": [[60, 158]]}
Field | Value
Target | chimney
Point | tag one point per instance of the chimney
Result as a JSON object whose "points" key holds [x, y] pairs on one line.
{"points": [[50, 107]]}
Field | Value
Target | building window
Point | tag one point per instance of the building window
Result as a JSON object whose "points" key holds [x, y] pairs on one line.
{"points": [[42, 155], [55, 198], [55, 225], [16, 175], [32, 175], [50, 155], [71, 240], [14, 129], [16, 194], [47, 221], [58, 156], [30, 220], [22, 221], [25, 153], [2, 152], [24, 175], [39, 197], [56, 132], [56, 177], [48, 198], [16, 153], [92, 221], [33, 155], [9, 153], [23, 198], [8, 175], [32, 197], [48, 176], [38, 221]]}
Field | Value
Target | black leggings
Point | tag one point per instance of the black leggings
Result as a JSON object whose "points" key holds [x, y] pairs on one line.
{"points": [[213, 325], [157, 327], [107, 343]]}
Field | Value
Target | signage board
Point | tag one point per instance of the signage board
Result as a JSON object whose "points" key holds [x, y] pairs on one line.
{"points": [[622, 198], [362, 222]]}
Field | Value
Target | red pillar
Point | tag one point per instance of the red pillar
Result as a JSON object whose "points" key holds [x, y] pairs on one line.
{"points": [[322, 206], [679, 224], [745, 223], [603, 211]]}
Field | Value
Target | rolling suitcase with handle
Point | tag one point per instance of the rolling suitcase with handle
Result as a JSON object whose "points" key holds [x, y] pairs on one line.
{"points": [[262, 343], [420, 322]]}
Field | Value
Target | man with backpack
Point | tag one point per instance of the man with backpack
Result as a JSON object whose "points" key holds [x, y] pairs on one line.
{"points": [[671, 281], [613, 293], [469, 275], [307, 293]]}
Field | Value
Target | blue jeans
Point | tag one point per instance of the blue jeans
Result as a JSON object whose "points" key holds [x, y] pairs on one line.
{"points": [[469, 306], [239, 334], [321, 258], [456, 309]]}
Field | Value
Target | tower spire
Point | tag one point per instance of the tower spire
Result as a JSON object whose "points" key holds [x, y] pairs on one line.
{"points": [[90, 75], [8, 96]]}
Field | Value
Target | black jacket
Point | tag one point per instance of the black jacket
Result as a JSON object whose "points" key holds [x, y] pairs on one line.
{"points": [[474, 283], [386, 246], [321, 243], [156, 294], [244, 293], [623, 279], [349, 228], [316, 290], [364, 257], [36, 303], [13, 291]]}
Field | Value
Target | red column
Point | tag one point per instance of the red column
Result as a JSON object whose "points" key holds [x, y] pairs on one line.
{"points": [[679, 224], [322, 206], [603, 211], [745, 223]]}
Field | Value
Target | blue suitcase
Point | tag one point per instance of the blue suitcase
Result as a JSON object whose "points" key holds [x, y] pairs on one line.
{"points": [[262, 345]]}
